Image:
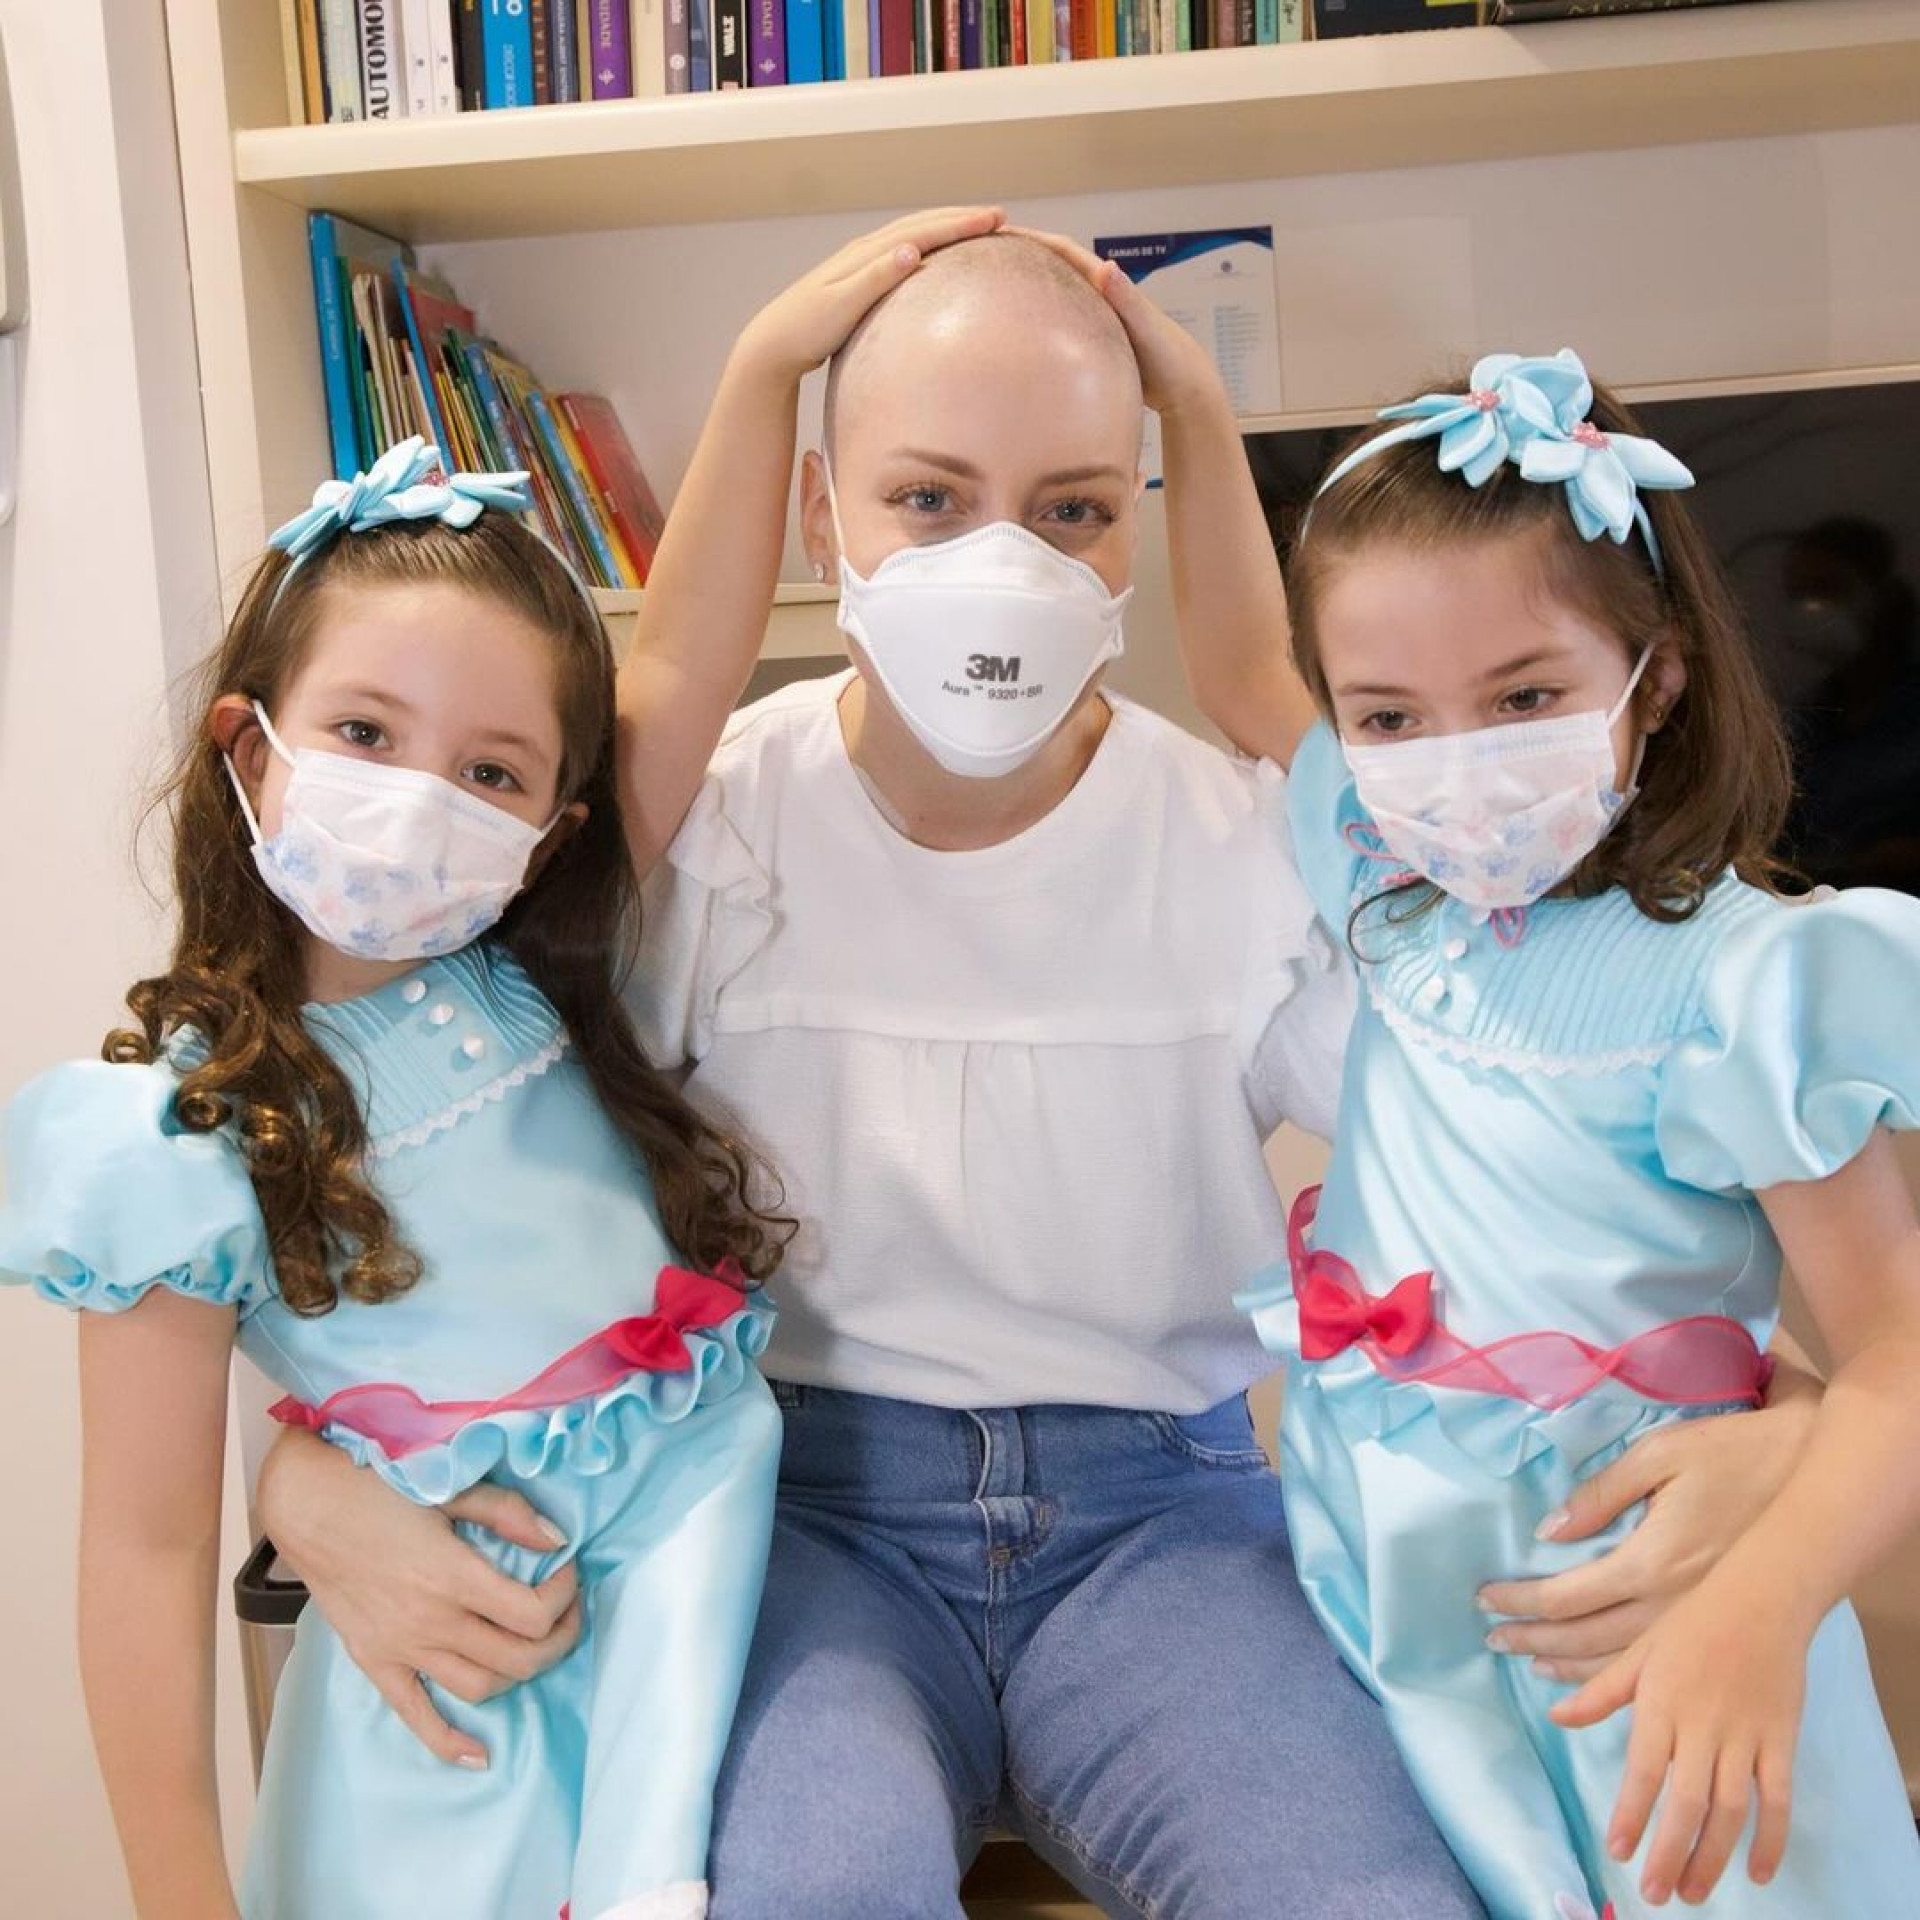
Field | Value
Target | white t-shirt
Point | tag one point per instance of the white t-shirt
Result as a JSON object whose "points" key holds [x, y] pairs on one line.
{"points": [[1017, 1096]]}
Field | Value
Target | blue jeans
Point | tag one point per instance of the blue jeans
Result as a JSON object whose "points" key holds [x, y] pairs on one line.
{"points": [[1078, 1623]]}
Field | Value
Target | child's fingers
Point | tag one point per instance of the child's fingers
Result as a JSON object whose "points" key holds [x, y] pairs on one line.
{"points": [[405, 1694], [1604, 1695], [507, 1514], [924, 232], [1593, 1637], [1083, 260], [1683, 1810], [1649, 1748], [1726, 1818], [1589, 1588], [1597, 1502], [1774, 1776]]}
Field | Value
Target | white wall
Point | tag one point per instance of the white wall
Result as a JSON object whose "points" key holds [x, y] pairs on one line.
{"points": [[105, 573]]}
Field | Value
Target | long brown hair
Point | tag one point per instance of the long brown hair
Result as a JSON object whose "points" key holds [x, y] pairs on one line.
{"points": [[236, 980], [1717, 778]]}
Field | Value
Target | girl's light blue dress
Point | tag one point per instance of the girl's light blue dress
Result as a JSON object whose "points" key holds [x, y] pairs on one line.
{"points": [[538, 1232], [1567, 1132]]}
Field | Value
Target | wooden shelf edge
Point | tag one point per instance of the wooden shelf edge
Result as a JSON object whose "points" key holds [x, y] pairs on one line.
{"points": [[800, 625], [1320, 107]]}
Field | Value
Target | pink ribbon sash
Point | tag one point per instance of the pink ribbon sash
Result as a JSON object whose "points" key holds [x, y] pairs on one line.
{"points": [[402, 1423], [1705, 1360]]}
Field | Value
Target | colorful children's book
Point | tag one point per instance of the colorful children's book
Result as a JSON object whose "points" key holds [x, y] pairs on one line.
{"points": [[338, 250], [428, 309], [617, 476]]}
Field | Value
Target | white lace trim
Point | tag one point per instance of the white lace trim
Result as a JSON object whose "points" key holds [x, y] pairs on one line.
{"points": [[1510, 1059], [422, 1131], [684, 1900]]}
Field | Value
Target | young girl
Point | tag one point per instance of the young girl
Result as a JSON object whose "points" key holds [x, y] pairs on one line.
{"points": [[383, 1119], [1602, 1078]]}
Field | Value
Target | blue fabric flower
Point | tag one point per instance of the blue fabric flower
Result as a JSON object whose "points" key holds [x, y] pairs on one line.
{"points": [[1532, 413], [407, 482]]}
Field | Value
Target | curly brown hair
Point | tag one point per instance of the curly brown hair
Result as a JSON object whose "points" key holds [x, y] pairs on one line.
{"points": [[235, 983], [1717, 778]]}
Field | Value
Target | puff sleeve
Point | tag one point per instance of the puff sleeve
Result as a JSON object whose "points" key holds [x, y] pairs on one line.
{"points": [[704, 913], [1321, 806], [1810, 1041], [108, 1196]]}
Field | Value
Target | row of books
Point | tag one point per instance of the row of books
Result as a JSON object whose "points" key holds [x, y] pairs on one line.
{"points": [[391, 59], [402, 355], [395, 59]]}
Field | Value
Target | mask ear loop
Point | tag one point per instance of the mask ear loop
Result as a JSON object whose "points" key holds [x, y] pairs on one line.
{"points": [[239, 792], [833, 510]]}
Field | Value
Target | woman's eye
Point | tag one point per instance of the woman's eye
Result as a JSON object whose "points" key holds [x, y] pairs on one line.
{"points": [[361, 733], [1079, 513], [494, 777], [1388, 724], [924, 499], [1527, 700]]}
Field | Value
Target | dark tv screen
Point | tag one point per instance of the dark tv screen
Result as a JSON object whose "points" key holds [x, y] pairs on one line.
{"points": [[1812, 500]]}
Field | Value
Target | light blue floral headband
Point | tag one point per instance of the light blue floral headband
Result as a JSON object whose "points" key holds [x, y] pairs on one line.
{"points": [[1532, 413], [407, 482]]}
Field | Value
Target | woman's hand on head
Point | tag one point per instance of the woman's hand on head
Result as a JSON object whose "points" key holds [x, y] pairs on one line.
{"points": [[408, 1597], [1704, 1481], [1176, 371], [801, 327]]}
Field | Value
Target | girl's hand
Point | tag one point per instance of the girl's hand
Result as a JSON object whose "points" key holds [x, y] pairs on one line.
{"points": [[1704, 1481], [799, 328], [1176, 371], [1716, 1689], [408, 1597]]}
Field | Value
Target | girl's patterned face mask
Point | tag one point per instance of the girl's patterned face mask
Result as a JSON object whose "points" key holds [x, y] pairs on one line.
{"points": [[386, 863]]}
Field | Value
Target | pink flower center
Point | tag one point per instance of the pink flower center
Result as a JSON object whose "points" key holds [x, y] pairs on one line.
{"points": [[1589, 435], [1485, 399]]}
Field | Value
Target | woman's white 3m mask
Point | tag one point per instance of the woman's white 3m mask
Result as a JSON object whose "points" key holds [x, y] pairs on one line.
{"points": [[386, 863], [1499, 816], [983, 643]]}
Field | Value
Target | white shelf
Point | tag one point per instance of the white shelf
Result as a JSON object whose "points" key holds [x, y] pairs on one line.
{"points": [[1476, 93], [799, 627]]}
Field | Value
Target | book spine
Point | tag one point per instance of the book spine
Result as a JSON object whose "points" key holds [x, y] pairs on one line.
{"points": [[896, 36], [540, 52], [290, 62], [416, 55], [1063, 29], [927, 37], [333, 345], [767, 51], [853, 30], [563, 24], [469, 60], [380, 78], [679, 40], [972, 40], [313, 84], [1039, 33], [590, 496], [1106, 24], [1084, 37], [340, 53], [1246, 25], [586, 522], [1017, 32], [1293, 20], [876, 46], [1144, 14], [507, 37], [806, 42], [1225, 13], [1266, 23], [833, 40], [700, 45], [612, 51], [647, 27], [435, 420], [729, 44], [953, 37], [1502, 13]]}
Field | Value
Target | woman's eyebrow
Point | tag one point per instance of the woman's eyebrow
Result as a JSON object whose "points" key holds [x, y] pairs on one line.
{"points": [[1076, 476], [946, 462], [1540, 657]]}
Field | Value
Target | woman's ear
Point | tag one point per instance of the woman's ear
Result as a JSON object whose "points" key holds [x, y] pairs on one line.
{"points": [[571, 819], [234, 728], [1663, 684], [816, 519]]}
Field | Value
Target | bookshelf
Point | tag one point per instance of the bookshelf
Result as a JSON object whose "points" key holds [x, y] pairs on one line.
{"points": [[1323, 107]]}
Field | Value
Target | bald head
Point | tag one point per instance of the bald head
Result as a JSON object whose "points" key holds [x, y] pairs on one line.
{"points": [[964, 304]]}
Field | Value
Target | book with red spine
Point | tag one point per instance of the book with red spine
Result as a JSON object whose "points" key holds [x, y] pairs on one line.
{"points": [[1085, 36], [896, 36], [616, 476]]}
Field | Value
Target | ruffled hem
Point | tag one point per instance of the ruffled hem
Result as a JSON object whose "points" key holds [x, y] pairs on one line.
{"points": [[1500, 1435], [589, 1436]]}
